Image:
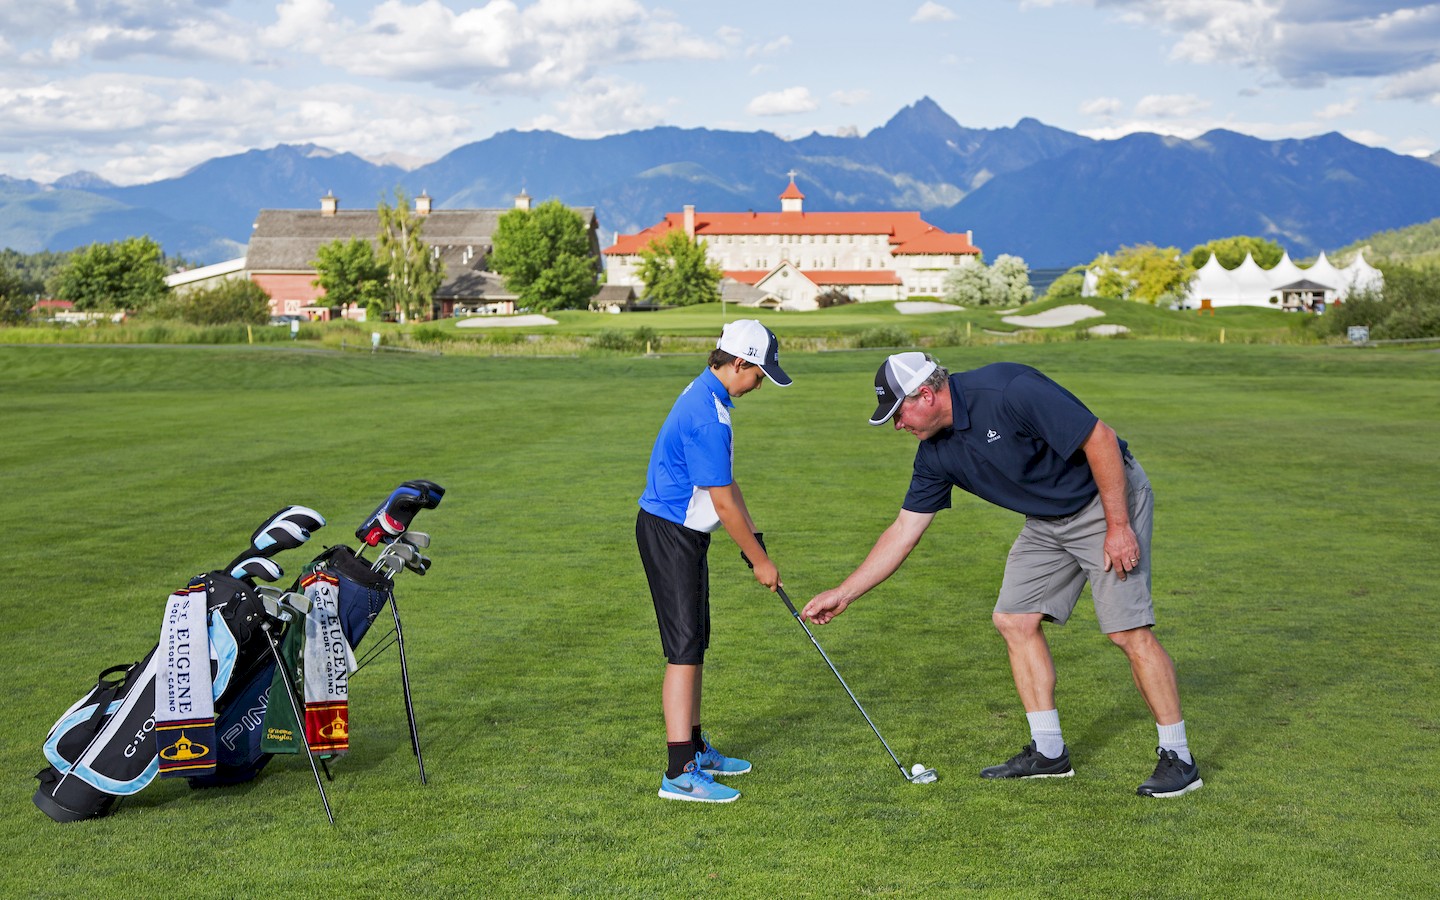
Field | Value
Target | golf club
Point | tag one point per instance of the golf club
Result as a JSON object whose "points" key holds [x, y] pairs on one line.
{"points": [[918, 774], [257, 567], [396, 555], [285, 530]]}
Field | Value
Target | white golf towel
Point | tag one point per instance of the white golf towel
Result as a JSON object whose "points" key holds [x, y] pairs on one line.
{"points": [[329, 660], [184, 703]]}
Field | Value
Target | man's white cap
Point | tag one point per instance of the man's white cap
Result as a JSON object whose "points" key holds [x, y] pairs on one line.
{"points": [[895, 379], [753, 342]]}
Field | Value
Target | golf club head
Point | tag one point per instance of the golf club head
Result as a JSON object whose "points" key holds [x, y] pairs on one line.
{"points": [[417, 539], [392, 517], [419, 565], [257, 567], [283, 535], [395, 555], [286, 529], [924, 776], [301, 519]]}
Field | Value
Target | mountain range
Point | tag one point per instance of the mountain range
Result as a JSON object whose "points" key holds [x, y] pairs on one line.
{"points": [[1050, 196]]}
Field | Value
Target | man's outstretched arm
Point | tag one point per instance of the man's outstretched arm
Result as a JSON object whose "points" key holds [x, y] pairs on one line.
{"points": [[890, 550]]}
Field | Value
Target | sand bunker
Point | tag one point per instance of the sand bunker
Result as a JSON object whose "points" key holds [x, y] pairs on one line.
{"points": [[1107, 330], [914, 307], [503, 321], [1055, 318]]}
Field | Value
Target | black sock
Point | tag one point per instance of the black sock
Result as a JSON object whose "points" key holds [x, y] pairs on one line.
{"points": [[680, 754], [697, 739]]}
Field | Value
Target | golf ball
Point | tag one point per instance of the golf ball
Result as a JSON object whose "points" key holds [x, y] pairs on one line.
{"points": [[916, 769]]}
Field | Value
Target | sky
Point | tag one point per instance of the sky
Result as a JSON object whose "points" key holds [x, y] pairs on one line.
{"points": [[140, 90]]}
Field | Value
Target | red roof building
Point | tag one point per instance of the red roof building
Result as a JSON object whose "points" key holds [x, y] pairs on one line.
{"points": [[792, 256]]}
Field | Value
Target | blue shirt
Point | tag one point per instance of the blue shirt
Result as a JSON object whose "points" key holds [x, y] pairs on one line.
{"points": [[1015, 441], [693, 451]]}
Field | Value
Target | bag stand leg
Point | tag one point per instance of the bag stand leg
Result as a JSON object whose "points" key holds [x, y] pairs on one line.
{"points": [[299, 717], [405, 683]]}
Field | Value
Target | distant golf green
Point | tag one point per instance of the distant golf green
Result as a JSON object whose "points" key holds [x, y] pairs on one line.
{"points": [[1295, 576]]}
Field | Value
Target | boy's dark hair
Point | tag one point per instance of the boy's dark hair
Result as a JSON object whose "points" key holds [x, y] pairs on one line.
{"points": [[719, 359]]}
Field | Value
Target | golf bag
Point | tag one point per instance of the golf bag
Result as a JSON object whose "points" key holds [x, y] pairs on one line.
{"points": [[104, 746], [241, 724]]}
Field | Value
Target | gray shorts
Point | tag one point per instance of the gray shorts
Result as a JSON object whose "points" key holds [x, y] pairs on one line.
{"points": [[1052, 559]]}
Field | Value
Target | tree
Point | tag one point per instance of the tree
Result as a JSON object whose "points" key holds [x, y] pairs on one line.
{"points": [[969, 285], [1231, 252], [1144, 273], [128, 274], [415, 271], [233, 300], [1012, 278], [544, 255], [15, 300], [678, 272], [350, 274], [1067, 286]]}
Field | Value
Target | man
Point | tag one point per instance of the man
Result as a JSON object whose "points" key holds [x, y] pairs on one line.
{"points": [[690, 491], [1009, 435]]}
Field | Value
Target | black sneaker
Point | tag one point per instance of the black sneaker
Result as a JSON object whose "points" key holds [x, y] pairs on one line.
{"points": [[1173, 777], [1029, 763]]}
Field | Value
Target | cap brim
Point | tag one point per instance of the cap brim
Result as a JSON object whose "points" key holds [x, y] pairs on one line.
{"points": [[883, 412], [776, 374]]}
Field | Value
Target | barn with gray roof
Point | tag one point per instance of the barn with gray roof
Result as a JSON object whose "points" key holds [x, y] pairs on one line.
{"points": [[285, 242]]}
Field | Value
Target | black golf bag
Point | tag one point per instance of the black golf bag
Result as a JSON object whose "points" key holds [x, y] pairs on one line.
{"points": [[104, 746], [241, 723]]}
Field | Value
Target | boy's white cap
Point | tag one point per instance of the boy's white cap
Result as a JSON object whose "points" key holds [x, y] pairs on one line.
{"points": [[895, 379], [753, 342]]}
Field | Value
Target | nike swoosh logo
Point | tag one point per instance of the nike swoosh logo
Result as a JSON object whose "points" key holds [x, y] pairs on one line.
{"points": [[689, 789]]}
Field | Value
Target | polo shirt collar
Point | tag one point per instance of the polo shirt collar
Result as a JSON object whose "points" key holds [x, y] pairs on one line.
{"points": [[715, 386]]}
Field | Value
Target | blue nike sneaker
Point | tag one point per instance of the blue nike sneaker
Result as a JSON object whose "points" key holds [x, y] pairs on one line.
{"points": [[695, 785], [717, 763]]}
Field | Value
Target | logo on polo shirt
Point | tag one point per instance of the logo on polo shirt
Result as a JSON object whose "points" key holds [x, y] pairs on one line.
{"points": [[991, 437]]}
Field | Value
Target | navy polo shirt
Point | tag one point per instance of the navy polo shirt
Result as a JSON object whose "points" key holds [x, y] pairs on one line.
{"points": [[693, 451], [1015, 441]]}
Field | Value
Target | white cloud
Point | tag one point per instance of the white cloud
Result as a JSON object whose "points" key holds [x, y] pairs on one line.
{"points": [[498, 47], [1338, 110], [602, 106], [1101, 106], [1422, 85], [1170, 106], [1306, 42], [141, 128], [782, 103], [931, 11], [770, 48], [850, 98]]}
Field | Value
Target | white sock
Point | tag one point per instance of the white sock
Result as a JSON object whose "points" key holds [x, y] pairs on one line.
{"points": [[1045, 731], [1172, 737]]}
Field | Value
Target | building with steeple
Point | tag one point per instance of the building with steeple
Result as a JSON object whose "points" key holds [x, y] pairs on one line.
{"points": [[791, 257]]}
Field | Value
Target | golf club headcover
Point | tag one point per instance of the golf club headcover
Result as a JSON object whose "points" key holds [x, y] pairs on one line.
{"points": [[760, 539], [393, 517], [257, 567]]}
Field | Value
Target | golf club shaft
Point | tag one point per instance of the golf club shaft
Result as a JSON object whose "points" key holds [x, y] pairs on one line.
{"points": [[299, 716], [405, 683], [794, 612]]}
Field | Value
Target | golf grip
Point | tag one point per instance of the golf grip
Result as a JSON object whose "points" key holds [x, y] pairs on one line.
{"points": [[853, 699]]}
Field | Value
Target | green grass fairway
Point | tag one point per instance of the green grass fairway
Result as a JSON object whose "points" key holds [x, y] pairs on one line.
{"points": [[1296, 587]]}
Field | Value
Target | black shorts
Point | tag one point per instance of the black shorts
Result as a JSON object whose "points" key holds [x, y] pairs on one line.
{"points": [[679, 574]]}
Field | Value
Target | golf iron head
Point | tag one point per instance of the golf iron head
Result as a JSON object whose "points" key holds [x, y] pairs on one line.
{"points": [[918, 774]]}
